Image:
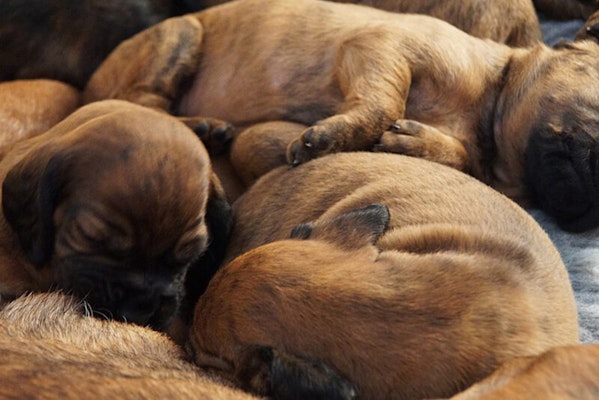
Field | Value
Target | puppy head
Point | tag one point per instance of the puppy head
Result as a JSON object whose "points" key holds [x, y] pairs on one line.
{"points": [[554, 120], [561, 158], [114, 206]]}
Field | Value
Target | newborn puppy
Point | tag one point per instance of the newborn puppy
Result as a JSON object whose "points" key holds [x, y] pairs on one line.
{"points": [[31, 107], [113, 204], [398, 277], [513, 22], [565, 373], [52, 349], [524, 121], [67, 39]]}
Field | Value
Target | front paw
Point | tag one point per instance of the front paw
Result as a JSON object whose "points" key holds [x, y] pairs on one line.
{"points": [[314, 142], [216, 134]]}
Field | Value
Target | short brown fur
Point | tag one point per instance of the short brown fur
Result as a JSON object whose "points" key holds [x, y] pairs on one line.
{"points": [[460, 281]]}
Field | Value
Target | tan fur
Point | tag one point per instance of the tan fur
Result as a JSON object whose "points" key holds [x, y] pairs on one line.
{"points": [[52, 350], [113, 186], [564, 373], [461, 281], [348, 73], [30, 107], [512, 22]]}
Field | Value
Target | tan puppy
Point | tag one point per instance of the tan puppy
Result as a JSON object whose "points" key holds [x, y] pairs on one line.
{"points": [[413, 280], [52, 349], [115, 204], [522, 121], [512, 22], [565, 373], [30, 107]]}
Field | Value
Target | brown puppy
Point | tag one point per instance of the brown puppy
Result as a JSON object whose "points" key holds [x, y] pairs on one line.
{"points": [[115, 204], [565, 373], [52, 349], [513, 22], [67, 39], [567, 9], [30, 107], [523, 121], [413, 280]]}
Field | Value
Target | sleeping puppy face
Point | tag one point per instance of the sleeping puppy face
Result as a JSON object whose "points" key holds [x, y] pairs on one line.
{"points": [[551, 131], [110, 205]]}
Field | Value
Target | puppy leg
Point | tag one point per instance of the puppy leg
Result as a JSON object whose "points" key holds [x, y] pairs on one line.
{"points": [[374, 79], [418, 140], [153, 68]]}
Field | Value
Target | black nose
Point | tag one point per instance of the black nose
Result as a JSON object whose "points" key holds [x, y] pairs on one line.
{"points": [[138, 309]]}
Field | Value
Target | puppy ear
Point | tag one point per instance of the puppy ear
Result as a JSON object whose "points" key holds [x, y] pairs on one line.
{"points": [[349, 230], [219, 221], [30, 193], [268, 372]]}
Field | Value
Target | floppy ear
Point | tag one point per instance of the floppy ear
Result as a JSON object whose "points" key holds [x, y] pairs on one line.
{"points": [[349, 230], [30, 193], [279, 375], [218, 220]]}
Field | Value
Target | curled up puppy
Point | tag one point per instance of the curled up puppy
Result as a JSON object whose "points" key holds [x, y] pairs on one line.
{"points": [[117, 205], [379, 276]]}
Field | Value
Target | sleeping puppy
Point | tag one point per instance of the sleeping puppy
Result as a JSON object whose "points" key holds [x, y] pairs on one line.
{"points": [[565, 373], [30, 107], [513, 22], [52, 349], [113, 204], [521, 120], [392, 275], [67, 39]]}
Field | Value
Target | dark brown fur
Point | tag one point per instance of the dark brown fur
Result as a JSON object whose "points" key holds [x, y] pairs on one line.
{"points": [[407, 278], [408, 84], [52, 349], [114, 204], [567, 9], [67, 39]]}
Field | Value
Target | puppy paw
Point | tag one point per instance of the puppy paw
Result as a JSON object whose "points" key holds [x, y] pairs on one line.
{"points": [[403, 137], [215, 133], [414, 139], [314, 142]]}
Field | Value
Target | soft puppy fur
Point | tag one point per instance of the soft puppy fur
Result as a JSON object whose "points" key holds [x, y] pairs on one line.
{"points": [[565, 373], [513, 22], [360, 78], [116, 204], [67, 39], [53, 349], [31, 107], [405, 278]]}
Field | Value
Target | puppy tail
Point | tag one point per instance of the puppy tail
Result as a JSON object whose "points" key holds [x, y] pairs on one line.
{"points": [[269, 372]]}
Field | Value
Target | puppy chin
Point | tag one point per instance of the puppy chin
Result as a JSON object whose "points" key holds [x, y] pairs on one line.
{"points": [[112, 293], [562, 171]]}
